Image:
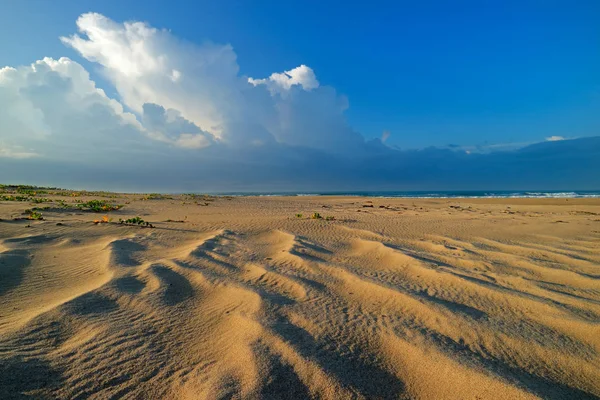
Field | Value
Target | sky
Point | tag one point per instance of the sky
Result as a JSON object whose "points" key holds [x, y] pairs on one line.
{"points": [[268, 95]]}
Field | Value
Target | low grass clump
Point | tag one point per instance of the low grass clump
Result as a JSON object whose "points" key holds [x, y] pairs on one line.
{"points": [[38, 200], [136, 221], [18, 197], [316, 216], [330, 218], [156, 196], [29, 210], [35, 215], [30, 190], [65, 193], [10, 197], [298, 215], [99, 206], [101, 193], [200, 196]]}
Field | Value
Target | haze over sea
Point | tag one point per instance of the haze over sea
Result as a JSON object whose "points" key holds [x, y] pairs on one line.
{"points": [[484, 194]]}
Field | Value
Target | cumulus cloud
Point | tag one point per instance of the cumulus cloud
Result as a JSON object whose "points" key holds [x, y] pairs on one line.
{"points": [[52, 107], [203, 84], [148, 65], [282, 82], [172, 96], [169, 126]]}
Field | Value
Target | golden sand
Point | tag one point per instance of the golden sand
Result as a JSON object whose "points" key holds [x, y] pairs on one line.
{"points": [[423, 299]]}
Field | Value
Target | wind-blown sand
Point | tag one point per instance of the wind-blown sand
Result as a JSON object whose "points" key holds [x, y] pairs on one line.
{"points": [[427, 299]]}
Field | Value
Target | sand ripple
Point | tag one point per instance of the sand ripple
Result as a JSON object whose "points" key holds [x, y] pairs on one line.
{"points": [[274, 308]]}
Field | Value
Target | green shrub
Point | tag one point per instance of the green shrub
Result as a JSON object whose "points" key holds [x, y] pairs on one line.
{"points": [[9, 197], [36, 215], [38, 200], [30, 190], [136, 221], [98, 206], [156, 196]]}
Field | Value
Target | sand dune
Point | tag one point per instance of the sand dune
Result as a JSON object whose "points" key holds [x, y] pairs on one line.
{"points": [[423, 299]]}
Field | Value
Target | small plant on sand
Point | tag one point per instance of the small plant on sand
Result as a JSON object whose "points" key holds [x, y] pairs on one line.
{"points": [[156, 196], [298, 215], [316, 216], [136, 221], [104, 220], [30, 190], [8, 197], [35, 215], [98, 206], [330, 218], [38, 200]]}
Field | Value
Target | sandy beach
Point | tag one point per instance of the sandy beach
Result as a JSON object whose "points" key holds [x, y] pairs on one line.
{"points": [[250, 297]]}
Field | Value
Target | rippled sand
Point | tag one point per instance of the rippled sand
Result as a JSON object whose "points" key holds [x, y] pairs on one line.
{"points": [[427, 299]]}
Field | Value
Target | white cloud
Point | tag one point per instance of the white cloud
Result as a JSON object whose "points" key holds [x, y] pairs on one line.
{"points": [[554, 138], [52, 107], [148, 65], [202, 83], [170, 127], [315, 119], [281, 82], [192, 141]]}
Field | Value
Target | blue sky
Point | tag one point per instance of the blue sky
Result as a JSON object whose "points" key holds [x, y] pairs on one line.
{"points": [[234, 95], [432, 73]]}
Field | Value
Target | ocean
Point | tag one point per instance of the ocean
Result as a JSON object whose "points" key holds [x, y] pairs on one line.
{"points": [[437, 194]]}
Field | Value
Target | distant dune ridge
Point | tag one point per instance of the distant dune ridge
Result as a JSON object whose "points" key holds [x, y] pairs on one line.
{"points": [[246, 298]]}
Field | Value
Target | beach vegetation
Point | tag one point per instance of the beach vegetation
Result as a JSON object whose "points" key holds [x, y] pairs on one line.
{"points": [[18, 197], [38, 200], [30, 191], [136, 221], [9, 197], [156, 196], [98, 206], [35, 215], [103, 220]]}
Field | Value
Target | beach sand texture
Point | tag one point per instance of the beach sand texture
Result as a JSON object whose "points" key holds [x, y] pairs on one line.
{"points": [[408, 299]]}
